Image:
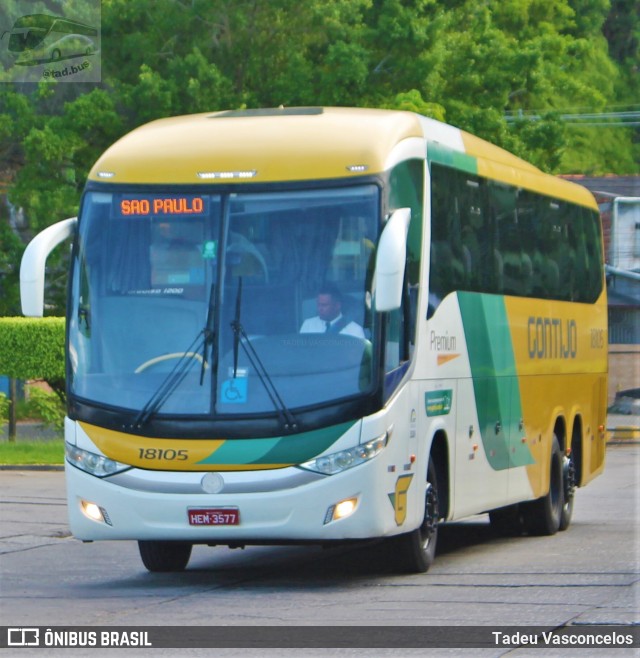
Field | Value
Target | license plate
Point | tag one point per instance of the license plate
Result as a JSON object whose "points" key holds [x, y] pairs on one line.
{"points": [[215, 516]]}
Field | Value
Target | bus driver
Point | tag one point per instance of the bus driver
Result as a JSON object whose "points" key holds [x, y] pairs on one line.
{"points": [[330, 318]]}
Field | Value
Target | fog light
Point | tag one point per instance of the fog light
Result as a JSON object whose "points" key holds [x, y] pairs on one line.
{"points": [[95, 512], [340, 510], [345, 508]]}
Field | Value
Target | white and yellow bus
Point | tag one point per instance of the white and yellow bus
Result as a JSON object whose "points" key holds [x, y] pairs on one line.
{"points": [[200, 413]]}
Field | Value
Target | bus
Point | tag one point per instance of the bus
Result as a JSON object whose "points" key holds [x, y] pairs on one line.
{"points": [[37, 38], [473, 378]]}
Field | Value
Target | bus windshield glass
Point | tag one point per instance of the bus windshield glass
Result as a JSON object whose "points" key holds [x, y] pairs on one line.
{"points": [[219, 305]]}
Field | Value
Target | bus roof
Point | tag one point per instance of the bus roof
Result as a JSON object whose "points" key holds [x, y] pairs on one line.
{"points": [[297, 144], [279, 145]]}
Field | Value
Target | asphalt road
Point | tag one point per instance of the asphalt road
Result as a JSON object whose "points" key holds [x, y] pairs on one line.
{"points": [[588, 575]]}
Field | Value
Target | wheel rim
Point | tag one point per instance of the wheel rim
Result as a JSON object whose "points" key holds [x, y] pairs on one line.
{"points": [[429, 526], [555, 487], [569, 480]]}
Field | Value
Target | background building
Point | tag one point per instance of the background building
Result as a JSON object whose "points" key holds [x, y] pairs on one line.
{"points": [[619, 201]]}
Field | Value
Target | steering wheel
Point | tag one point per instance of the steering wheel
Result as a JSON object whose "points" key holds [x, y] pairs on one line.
{"points": [[166, 357]]}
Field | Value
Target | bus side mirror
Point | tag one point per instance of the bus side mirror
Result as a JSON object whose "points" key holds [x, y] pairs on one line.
{"points": [[391, 260], [33, 262]]}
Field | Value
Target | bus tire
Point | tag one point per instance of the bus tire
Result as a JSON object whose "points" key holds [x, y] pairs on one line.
{"points": [[544, 515], [414, 552], [569, 485], [163, 556]]}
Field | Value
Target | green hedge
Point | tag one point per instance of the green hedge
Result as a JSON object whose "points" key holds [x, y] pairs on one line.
{"points": [[32, 348]]}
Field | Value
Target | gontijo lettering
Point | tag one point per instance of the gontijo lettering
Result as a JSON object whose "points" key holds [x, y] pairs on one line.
{"points": [[552, 338], [162, 206]]}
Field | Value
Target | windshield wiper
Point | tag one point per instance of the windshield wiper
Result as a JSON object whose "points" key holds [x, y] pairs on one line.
{"points": [[171, 382], [240, 338], [185, 363], [208, 332]]}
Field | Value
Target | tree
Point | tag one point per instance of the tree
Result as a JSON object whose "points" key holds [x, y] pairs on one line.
{"points": [[509, 71]]}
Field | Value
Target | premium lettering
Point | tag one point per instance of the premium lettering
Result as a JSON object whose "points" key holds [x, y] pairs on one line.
{"points": [[443, 343]]}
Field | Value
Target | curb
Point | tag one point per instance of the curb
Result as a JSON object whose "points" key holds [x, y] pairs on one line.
{"points": [[31, 467], [623, 434], [623, 442]]}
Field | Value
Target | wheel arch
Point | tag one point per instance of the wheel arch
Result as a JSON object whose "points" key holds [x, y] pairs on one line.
{"points": [[560, 430], [439, 453], [577, 448]]}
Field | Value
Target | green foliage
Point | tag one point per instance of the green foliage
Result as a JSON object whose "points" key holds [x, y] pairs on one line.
{"points": [[412, 101], [475, 64], [11, 249], [4, 408], [32, 452], [33, 349], [48, 407], [471, 62], [622, 30]]}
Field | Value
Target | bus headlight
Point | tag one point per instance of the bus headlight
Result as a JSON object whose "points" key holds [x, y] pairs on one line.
{"points": [[341, 461], [91, 463]]}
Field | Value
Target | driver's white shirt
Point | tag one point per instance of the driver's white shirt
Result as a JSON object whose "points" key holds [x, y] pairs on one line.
{"points": [[317, 326]]}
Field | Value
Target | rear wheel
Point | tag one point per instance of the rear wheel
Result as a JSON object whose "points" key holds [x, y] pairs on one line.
{"points": [[544, 515], [569, 484], [415, 551], [162, 556]]}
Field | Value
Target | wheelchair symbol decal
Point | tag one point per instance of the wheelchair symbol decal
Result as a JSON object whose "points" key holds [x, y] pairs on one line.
{"points": [[234, 391]]}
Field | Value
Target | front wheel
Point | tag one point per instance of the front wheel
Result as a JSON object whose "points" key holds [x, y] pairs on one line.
{"points": [[414, 552], [163, 556]]}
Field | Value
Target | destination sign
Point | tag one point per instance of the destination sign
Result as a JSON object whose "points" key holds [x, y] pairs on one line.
{"points": [[149, 206]]}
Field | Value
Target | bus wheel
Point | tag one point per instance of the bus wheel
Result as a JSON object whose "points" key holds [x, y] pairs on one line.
{"points": [[543, 516], [569, 482], [415, 551], [164, 555]]}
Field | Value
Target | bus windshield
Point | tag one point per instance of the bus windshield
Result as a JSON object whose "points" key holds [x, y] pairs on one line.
{"points": [[189, 304]]}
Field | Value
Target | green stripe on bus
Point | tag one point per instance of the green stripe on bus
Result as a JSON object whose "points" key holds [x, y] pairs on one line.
{"points": [[495, 380], [285, 450], [450, 158]]}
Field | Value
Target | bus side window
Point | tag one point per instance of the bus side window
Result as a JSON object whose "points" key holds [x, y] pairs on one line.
{"points": [[567, 253], [393, 348], [398, 341], [451, 260], [495, 238], [593, 248]]}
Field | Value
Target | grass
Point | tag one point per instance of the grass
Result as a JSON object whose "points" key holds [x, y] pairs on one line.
{"points": [[32, 452]]}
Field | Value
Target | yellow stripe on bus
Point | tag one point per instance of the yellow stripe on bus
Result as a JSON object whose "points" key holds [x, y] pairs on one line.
{"points": [[153, 453]]}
